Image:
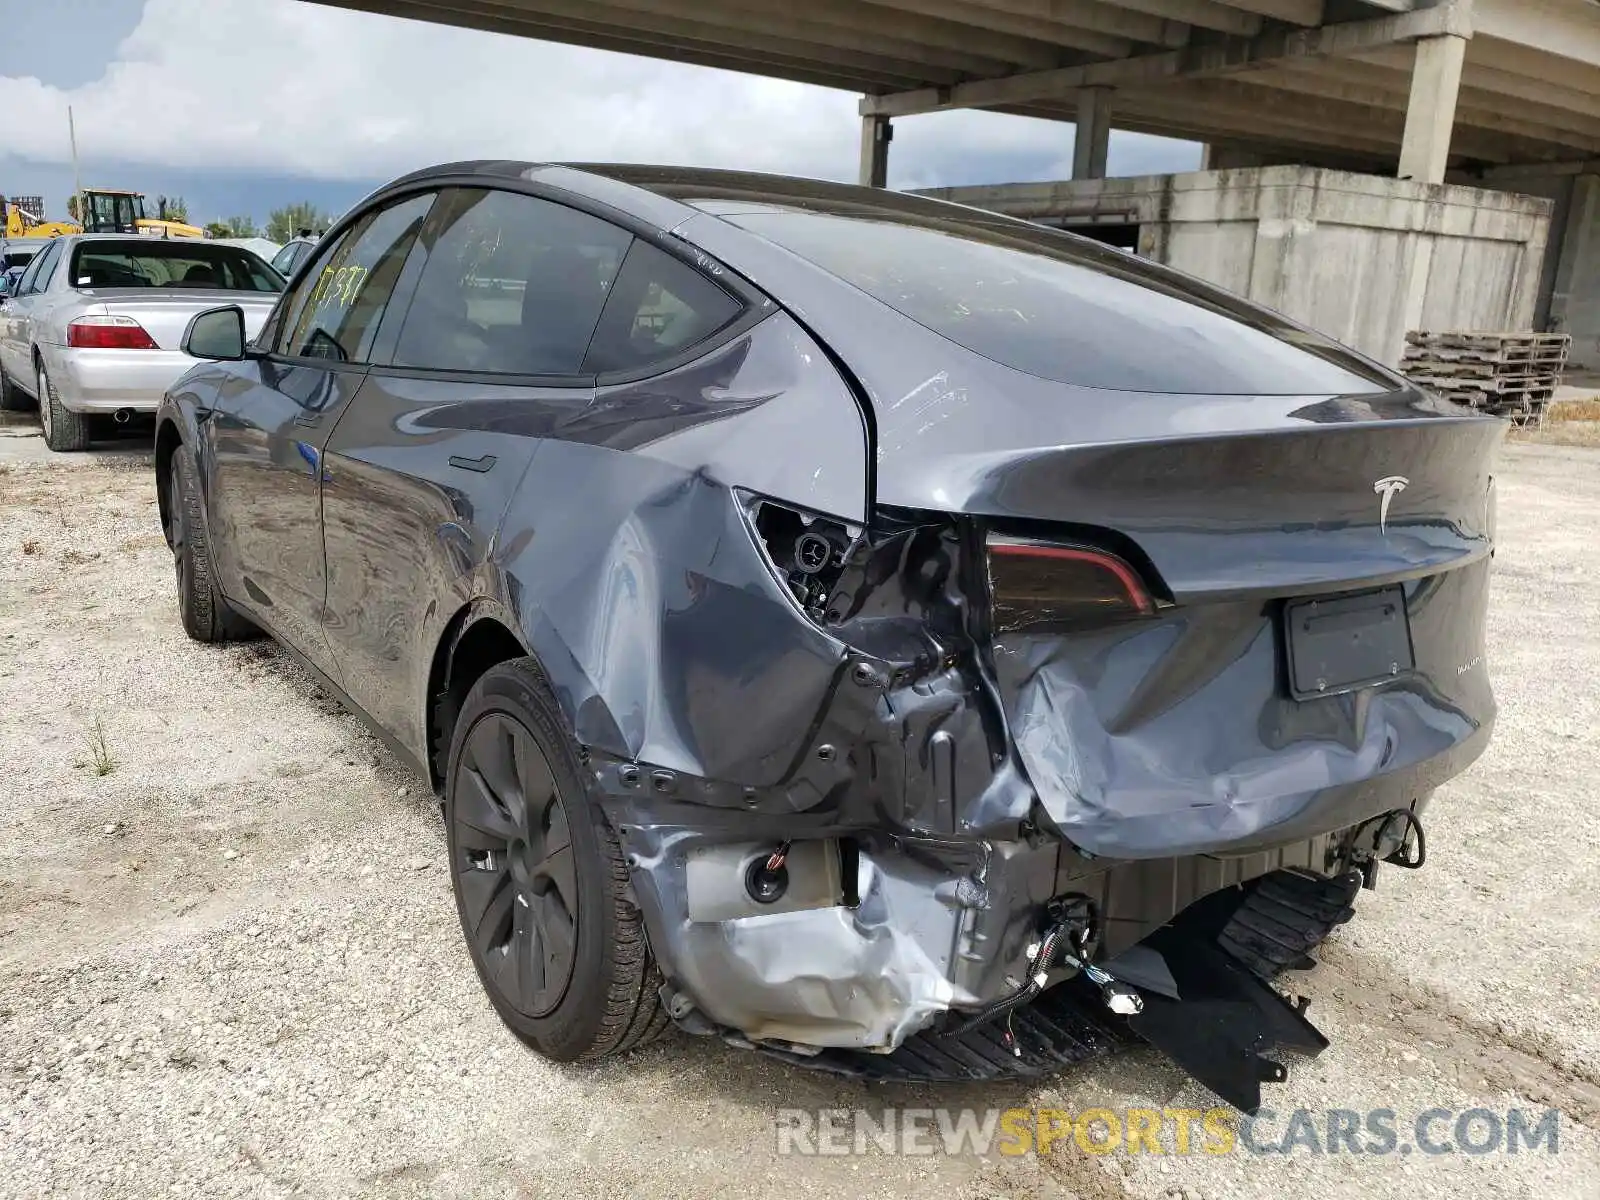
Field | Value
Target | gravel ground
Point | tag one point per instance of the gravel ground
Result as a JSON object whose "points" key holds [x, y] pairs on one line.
{"points": [[229, 964]]}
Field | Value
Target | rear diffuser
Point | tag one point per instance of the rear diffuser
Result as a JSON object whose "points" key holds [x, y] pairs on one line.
{"points": [[1217, 1031], [1224, 1021]]}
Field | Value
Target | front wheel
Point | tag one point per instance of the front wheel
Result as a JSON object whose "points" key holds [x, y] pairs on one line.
{"points": [[12, 398], [63, 428], [539, 879], [206, 615]]}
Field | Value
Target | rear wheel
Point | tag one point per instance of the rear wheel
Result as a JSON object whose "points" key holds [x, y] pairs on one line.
{"points": [[63, 428], [539, 879], [206, 615]]}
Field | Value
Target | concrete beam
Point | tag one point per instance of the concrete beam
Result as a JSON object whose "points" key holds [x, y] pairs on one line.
{"points": [[1110, 19], [1050, 32], [1223, 57], [876, 133], [840, 24], [1568, 29], [1293, 12], [1476, 108], [1203, 14], [1431, 113], [1091, 142], [863, 26], [1359, 121], [1515, 171], [683, 41]]}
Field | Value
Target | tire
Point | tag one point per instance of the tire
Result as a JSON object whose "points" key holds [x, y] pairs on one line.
{"points": [[206, 615], [63, 428], [12, 398], [526, 903]]}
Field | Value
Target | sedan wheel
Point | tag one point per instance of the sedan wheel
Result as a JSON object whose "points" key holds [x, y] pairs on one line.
{"points": [[12, 398], [539, 879], [63, 428], [42, 390]]}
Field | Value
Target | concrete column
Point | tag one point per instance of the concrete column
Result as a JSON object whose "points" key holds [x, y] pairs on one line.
{"points": [[1431, 114], [876, 133], [1575, 296], [1093, 138]]}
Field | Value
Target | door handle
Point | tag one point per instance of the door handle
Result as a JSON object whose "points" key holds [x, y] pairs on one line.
{"points": [[473, 464]]}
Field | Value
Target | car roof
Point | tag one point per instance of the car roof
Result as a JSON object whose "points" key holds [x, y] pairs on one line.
{"points": [[667, 195]]}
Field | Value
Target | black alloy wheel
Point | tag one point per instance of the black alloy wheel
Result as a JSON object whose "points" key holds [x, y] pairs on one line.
{"points": [[513, 864], [540, 882]]}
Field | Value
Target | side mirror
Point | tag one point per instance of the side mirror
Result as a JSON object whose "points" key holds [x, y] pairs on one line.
{"points": [[217, 334]]}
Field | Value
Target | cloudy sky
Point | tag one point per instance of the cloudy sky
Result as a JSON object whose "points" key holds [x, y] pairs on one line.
{"points": [[242, 105]]}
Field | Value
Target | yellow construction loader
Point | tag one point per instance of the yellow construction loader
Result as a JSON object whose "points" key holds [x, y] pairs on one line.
{"points": [[109, 211], [23, 217]]}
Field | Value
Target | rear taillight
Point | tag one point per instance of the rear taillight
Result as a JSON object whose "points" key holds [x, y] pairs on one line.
{"points": [[109, 333], [1041, 583]]}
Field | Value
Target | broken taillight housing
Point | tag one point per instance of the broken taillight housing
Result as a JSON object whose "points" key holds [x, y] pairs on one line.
{"points": [[100, 332], [805, 550], [1034, 583]]}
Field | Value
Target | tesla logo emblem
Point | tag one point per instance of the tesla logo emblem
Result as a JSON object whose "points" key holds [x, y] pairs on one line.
{"points": [[1387, 488]]}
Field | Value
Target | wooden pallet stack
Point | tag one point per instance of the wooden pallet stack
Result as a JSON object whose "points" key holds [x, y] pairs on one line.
{"points": [[1509, 374]]}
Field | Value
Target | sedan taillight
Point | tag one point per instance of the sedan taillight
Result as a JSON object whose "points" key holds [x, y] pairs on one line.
{"points": [[109, 333], [1041, 583]]}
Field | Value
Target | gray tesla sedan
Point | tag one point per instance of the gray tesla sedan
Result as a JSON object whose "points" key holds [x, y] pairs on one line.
{"points": [[93, 324], [887, 635]]}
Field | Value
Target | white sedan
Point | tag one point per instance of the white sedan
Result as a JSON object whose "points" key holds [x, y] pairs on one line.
{"points": [[95, 323]]}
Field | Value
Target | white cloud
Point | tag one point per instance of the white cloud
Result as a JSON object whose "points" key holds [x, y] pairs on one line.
{"points": [[290, 88]]}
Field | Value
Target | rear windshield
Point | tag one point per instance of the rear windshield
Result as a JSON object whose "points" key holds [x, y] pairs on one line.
{"points": [[164, 264], [1048, 304]]}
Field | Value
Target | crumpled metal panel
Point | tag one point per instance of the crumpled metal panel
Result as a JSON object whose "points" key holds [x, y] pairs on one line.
{"points": [[650, 605], [860, 978], [1176, 737]]}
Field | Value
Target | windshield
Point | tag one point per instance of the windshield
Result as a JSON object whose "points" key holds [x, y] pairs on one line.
{"points": [[15, 258], [1052, 306], [156, 264]]}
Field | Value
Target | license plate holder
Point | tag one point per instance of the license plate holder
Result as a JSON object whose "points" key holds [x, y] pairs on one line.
{"points": [[1338, 644]]}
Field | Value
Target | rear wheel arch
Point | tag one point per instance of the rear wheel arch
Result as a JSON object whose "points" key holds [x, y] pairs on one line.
{"points": [[168, 439], [475, 640]]}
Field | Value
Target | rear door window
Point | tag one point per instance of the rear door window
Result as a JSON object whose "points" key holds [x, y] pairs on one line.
{"points": [[37, 269], [659, 307], [337, 304], [512, 285]]}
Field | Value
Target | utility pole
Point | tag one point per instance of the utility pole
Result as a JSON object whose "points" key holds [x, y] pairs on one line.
{"points": [[77, 179]]}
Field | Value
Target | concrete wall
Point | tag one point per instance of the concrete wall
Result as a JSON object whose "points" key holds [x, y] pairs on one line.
{"points": [[1361, 257], [1569, 286]]}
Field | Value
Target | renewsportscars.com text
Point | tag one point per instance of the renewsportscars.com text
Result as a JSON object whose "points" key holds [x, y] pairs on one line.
{"points": [[1175, 1131]]}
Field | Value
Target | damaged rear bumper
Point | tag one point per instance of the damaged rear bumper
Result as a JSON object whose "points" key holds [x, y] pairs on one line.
{"points": [[878, 935]]}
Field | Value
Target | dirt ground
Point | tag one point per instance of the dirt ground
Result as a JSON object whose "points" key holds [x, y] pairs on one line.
{"points": [[229, 961]]}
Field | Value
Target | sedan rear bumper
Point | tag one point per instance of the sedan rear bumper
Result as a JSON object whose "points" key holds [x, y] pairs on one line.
{"points": [[89, 380]]}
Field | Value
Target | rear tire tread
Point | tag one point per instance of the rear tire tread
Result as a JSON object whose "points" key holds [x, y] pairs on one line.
{"points": [[67, 430]]}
